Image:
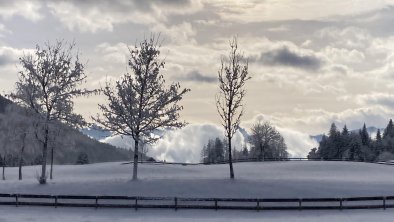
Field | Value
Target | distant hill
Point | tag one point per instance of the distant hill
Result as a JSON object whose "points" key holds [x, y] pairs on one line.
{"points": [[97, 151], [96, 132]]}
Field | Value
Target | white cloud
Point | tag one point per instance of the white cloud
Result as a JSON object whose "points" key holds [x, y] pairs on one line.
{"points": [[114, 54], [374, 98], [298, 143], [27, 9], [182, 145], [343, 55], [348, 37], [180, 33], [272, 10], [317, 121], [92, 16], [9, 64]]}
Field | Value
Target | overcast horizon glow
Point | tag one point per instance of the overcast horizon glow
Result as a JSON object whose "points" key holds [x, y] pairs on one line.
{"points": [[311, 62]]}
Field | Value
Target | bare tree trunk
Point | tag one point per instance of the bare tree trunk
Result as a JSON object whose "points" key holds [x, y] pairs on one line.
{"points": [[3, 171], [230, 158], [21, 156], [43, 178], [261, 152], [135, 166], [4, 164], [50, 174]]}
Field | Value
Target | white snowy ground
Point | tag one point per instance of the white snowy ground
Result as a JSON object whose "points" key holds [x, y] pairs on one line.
{"points": [[264, 180]]}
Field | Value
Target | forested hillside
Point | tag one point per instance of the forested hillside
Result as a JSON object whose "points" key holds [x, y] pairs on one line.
{"points": [[67, 145]]}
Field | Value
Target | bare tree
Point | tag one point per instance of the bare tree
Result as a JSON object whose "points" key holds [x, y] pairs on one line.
{"points": [[21, 126], [232, 76], [60, 135], [17, 129], [50, 79], [4, 137], [266, 140], [140, 103]]}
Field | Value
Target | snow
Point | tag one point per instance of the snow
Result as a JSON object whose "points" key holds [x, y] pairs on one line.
{"points": [[8, 214], [298, 179]]}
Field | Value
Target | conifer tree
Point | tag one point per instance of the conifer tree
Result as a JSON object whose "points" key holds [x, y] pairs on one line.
{"points": [[365, 139], [378, 144], [389, 131]]}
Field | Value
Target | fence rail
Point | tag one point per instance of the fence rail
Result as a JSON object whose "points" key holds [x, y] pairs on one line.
{"points": [[246, 160], [137, 202]]}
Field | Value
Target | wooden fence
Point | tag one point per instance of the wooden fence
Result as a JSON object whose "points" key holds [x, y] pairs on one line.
{"points": [[134, 202], [245, 160]]}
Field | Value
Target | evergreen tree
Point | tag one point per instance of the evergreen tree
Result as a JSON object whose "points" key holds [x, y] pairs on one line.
{"points": [[313, 154], [345, 141], [213, 151], [365, 139], [219, 150], [378, 147], [204, 154], [355, 147], [323, 147], [245, 152], [345, 131], [389, 131], [334, 143]]}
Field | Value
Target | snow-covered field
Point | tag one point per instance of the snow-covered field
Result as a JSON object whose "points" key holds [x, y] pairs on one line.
{"points": [[264, 180]]}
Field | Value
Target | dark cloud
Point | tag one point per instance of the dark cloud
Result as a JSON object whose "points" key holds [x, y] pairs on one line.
{"points": [[284, 57], [196, 76]]}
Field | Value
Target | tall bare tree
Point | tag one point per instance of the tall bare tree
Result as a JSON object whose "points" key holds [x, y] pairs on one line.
{"points": [[49, 81], [140, 103], [232, 76]]}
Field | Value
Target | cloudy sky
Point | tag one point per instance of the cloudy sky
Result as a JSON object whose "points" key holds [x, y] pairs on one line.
{"points": [[312, 62]]}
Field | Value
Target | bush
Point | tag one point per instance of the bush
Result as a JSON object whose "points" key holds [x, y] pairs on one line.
{"points": [[82, 158], [385, 156]]}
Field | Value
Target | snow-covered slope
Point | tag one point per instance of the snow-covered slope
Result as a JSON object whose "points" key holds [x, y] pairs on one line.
{"points": [[269, 179]]}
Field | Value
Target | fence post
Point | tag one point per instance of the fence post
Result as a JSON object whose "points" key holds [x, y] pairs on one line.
{"points": [[216, 204], [299, 204], [384, 203], [16, 200], [340, 203], [176, 203], [258, 205], [55, 201], [136, 203], [96, 202]]}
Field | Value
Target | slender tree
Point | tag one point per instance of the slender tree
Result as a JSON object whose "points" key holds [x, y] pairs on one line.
{"points": [[50, 79], [140, 103], [232, 77]]}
